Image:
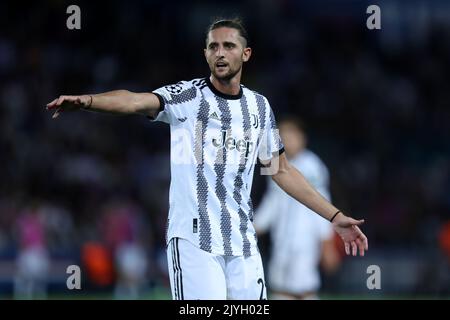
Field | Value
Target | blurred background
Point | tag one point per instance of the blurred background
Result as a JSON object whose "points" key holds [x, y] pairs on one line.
{"points": [[92, 190]]}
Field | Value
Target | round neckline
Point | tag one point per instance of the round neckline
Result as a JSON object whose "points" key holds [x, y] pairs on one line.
{"points": [[221, 94]]}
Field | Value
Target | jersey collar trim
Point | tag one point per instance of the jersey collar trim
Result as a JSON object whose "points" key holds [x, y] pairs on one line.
{"points": [[223, 95]]}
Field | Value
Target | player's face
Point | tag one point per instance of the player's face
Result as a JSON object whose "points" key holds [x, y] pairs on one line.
{"points": [[294, 140], [225, 53]]}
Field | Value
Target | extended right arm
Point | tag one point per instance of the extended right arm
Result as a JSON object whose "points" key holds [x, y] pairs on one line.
{"points": [[118, 102]]}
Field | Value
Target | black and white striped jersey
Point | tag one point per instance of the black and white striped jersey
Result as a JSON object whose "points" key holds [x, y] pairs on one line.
{"points": [[215, 141]]}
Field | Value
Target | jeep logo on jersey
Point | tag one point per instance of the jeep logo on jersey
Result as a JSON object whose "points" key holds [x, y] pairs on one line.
{"points": [[230, 143]]}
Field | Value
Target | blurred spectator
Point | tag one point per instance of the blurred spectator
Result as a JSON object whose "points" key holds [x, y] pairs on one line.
{"points": [[97, 260], [444, 239], [33, 258], [444, 270], [123, 228]]}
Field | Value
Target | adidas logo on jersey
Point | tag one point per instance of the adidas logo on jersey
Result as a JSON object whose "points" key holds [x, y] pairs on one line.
{"points": [[214, 116]]}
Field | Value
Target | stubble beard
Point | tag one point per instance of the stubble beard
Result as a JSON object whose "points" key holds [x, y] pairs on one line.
{"points": [[226, 77]]}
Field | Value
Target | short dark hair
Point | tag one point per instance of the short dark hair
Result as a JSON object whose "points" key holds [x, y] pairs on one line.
{"points": [[235, 23]]}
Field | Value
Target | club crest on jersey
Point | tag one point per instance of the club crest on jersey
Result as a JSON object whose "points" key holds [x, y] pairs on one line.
{"points": [[255, 121], [230, 143]]}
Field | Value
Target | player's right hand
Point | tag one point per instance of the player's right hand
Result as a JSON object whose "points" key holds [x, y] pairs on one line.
{"points": [[68, 103]]}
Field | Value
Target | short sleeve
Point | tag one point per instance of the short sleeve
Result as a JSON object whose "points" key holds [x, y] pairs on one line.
{"points": [[172, 98], [271, 144]]}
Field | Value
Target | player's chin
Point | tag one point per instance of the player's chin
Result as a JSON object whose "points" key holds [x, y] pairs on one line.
{"points": [[223, 74]]}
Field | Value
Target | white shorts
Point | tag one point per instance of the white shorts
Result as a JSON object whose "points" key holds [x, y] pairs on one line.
{"points": [[199, 275]]}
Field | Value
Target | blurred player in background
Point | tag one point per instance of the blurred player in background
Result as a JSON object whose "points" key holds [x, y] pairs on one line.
{"points": [[300, 239], [33, 261], [218, 128], [122, 224]]}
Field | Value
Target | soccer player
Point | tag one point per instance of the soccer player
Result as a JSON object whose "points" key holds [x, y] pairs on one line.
{"points": [[300, 239], [218, 128]]}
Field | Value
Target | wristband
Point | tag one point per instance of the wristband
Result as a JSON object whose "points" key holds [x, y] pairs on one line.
{"points": [[331, 220]]}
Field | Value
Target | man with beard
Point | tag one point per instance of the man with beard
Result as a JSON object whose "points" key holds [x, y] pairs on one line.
{"points": [[218, 129]]}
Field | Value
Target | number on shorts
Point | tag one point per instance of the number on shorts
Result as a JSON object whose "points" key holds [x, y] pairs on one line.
{"points": [[261, 281]]}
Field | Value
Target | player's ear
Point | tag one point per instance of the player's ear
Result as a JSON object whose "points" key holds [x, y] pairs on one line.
{"points": [[246, 54]]}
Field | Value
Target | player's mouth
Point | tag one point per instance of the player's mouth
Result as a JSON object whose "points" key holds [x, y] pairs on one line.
{"points": [[221, 65]]}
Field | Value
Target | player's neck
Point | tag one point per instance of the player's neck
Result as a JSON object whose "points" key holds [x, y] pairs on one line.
{"points": [[229, 87]]}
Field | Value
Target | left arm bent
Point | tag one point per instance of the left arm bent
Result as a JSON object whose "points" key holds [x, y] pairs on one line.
{"points": [[294, 183]]}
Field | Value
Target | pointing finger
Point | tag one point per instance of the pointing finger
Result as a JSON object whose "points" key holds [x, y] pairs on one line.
{"points": [[60, 100], [51, 104]]}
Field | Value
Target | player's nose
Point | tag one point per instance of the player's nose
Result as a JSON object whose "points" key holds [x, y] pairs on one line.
{"points": [[219, 52]]}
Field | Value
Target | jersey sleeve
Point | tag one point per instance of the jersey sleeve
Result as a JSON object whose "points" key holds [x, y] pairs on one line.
{"points": [[271, 144], [172, 99]]}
